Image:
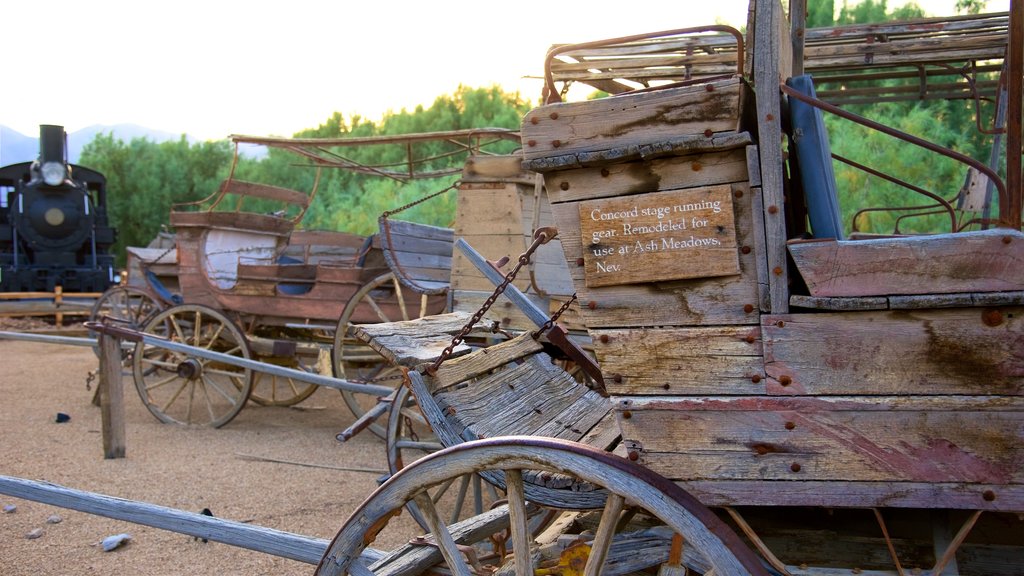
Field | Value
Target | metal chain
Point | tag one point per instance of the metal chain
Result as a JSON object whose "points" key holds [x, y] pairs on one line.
{"points": [[554, 317], [421, 200], [541, 236]]}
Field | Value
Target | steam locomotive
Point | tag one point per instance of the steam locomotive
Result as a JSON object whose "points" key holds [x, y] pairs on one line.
{"points": [[53, 223]]}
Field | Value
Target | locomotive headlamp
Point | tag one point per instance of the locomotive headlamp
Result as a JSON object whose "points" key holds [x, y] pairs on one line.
{"points": [[53, 173]]}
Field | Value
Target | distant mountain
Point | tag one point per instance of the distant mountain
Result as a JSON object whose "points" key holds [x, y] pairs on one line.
{"points": [[16, 147]]}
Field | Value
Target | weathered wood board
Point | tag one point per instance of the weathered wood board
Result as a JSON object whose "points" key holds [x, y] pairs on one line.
{"points": [[901, 443], [969, 351], [704, 301], [717, 360], [978, 261], [660, 236], [633, 118]]}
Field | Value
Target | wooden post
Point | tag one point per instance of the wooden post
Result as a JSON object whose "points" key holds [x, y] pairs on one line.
{"points": [[58, 299], [111, 391]]}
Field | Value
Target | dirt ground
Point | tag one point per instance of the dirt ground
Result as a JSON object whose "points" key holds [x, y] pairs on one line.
{"points": [[184, 468]]}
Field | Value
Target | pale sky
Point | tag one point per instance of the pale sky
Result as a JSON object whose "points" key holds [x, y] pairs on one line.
{"points": [[273, 67]]}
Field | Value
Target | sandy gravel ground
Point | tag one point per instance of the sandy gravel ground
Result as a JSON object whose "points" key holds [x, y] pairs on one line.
{"points": [[184, 468]]}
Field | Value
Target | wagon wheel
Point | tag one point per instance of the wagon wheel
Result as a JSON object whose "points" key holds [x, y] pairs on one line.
{"points": [[390, 301], [131, 305], [272, 390], [409, 439], [718, 546], [182, 389]]}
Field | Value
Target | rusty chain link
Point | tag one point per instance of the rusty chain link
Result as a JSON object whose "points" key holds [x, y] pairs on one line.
{"points": [[541, 236]]}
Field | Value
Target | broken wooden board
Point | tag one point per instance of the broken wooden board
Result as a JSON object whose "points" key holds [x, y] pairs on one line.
{"points": [[659, 236], [411, 343], [969, 351], [978, 261], [633, 119]]}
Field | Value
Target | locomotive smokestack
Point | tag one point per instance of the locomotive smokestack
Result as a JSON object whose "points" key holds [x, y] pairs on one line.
{"points": [[51, 144]]}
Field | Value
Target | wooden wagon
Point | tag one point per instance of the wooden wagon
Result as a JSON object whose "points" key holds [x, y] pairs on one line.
{"points": [[849, 403]]}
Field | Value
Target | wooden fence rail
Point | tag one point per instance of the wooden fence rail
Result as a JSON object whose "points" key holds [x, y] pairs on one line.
{"points": [[57, 303]]}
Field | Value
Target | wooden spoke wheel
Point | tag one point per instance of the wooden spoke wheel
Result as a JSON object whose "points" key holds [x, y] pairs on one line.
{"points": [[516, 458], [410, 438], [182, 389], [272, 390], [384, 299], [130, 305]]}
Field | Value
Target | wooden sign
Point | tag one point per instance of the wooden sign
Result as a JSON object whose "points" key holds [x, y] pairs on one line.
{"points": [[662, 236]]}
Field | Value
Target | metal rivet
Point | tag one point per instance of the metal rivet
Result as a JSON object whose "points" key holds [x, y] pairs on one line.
{"points": [[790, 425], [696, 166], [708, 133], [769, 117], [780, 324], [755, 378], [761, 449], [750, 339], [556, 143], [738, 193], [748, 308], [795, 466], [777, 270], [617, 378], [564, 185], [531, 142], [785, 380], [745, 249], [604, 338], [605, 173], [579, 261], [710, 87], [773, 209], [634, 456], [992, 318], [534, 120], [665, 386], [988, 495], [1007, 239], [553, 116], [592, 305], [627, 414]]}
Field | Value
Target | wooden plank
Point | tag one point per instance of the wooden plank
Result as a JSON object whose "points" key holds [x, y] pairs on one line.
{"points": [[635, 118], [954, 351], [839, 304], [769, 19], [416, 230], [459, 370], [976, 261], [240, 534], [660, 236], [843, 494], [724, 300], [413, 342], [681, 361], [940, 439], [677, 145], [494, 169]]}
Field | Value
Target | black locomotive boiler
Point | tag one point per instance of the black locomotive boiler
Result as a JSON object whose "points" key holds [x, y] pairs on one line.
{"points": [[53, 223]]}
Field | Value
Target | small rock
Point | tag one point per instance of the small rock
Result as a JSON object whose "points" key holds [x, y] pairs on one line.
{"points": [[62, 417], [54, 519], [36, 533], [10, 508], [111, 542]]}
